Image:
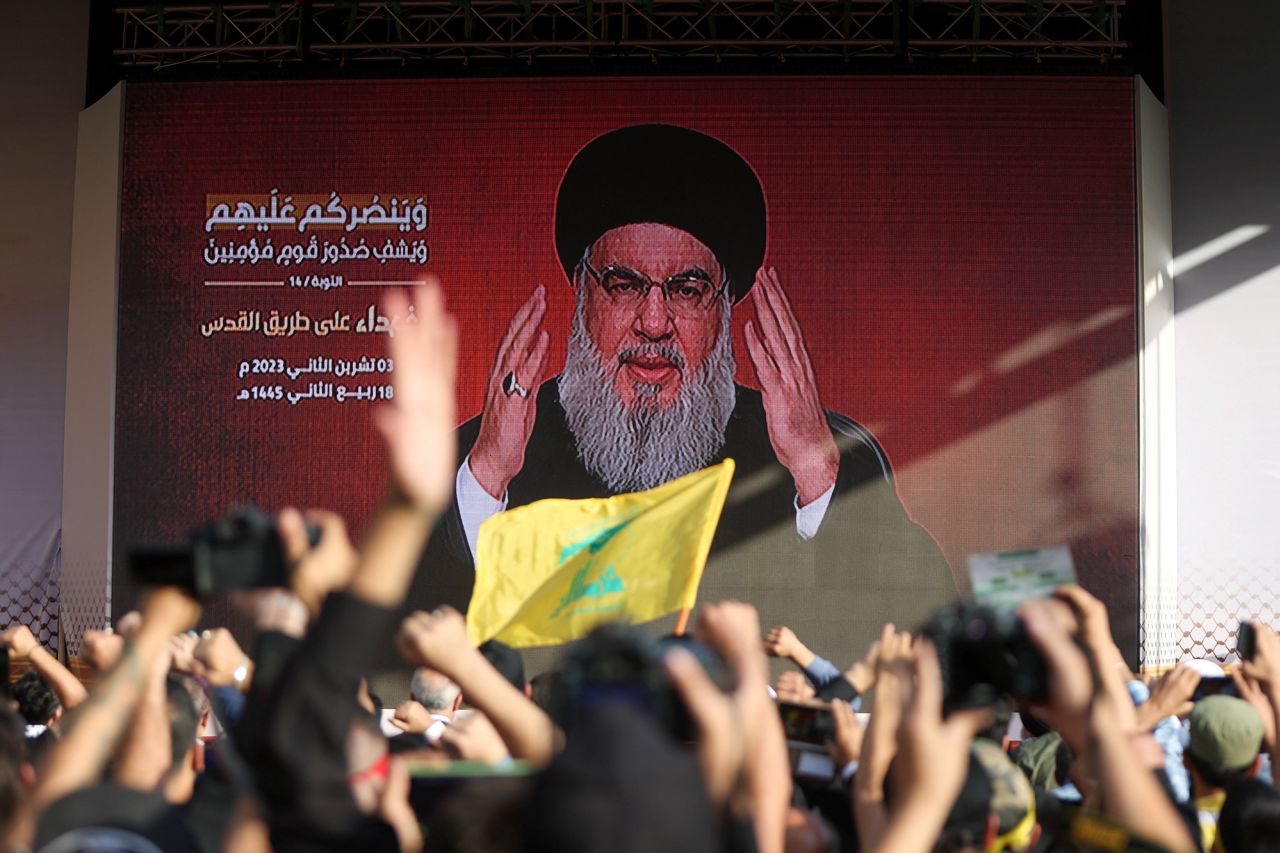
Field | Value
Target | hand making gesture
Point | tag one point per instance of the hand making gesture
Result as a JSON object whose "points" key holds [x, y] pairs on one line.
{"points": [[793, 411], [510, 398], [418, 425]]}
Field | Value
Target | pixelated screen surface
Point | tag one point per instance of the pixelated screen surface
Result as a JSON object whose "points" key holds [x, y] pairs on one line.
{"points": [[955, 285]]}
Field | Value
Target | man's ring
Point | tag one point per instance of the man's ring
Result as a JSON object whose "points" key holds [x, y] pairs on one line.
{"points": [[511, 386]]}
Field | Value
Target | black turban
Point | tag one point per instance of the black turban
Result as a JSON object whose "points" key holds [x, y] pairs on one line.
{"points": [[669, 175]]}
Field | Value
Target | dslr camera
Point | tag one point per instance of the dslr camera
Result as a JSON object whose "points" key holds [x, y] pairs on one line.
{"points": [[241, 550], [985, 655], [620, 663]]}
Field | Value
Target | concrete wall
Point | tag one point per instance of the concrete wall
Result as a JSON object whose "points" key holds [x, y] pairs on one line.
{"points": [[42, 72], [1223, 73]]}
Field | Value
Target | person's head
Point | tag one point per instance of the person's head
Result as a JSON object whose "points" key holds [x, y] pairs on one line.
{"points": [[185, 720], [660, 229], [653, 302], [1250, 818], [435, 692], [620, 768], [16, 774], [507, 661], [37, 702], [544, 689], [995, 809], [647, 385], [1225, 739]]}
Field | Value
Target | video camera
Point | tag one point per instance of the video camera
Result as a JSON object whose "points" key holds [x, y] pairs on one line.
{"points": [[620, 663], [985, 655], [241, 550]]}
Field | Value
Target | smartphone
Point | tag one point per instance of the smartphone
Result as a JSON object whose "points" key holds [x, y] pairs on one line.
{"points": [[816, 766], [807, 723], [4, 672], [1246, 640], [1214, 685]]}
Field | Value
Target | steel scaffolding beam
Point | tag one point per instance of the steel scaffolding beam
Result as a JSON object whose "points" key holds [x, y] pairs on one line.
{"points": [[354, 33]]}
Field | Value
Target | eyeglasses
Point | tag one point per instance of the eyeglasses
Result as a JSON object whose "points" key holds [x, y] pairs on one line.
{"points": [[688, 293]]}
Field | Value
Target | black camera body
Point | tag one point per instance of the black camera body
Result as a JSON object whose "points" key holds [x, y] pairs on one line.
{"points": [[620, 663], [985, 655], [1246, 641], [241, 550]]}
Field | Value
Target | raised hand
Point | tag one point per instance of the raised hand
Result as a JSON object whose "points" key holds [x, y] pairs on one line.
{"points": [[1251, 691], [20, 641], [721, 744], [1265, 666], [182, 649], [846, 746], [437, 640], [510, 398], [21, 644], [320, 570], [782, 642], [932, 760], [733, 629], [894, 664], [862, 673], [418, 424], [412, 717], [218, 656], [1071, 689], [793, 411], [101, 648], [1170, 697], [1094, 630], [1094, 626]]}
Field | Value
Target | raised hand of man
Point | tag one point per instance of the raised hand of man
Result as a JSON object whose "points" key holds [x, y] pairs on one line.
{"points": [[797, 424], [781, 642], [20, 641], [437, 640], [322, 569], [411, 716], [510, 398], [418, 424]]}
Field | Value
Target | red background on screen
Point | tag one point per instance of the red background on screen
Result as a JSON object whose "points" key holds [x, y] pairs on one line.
{"points": [[959, 253]]}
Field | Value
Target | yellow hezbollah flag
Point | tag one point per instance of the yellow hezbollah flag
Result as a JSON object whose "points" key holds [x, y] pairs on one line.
{"points": [[551, 571]]}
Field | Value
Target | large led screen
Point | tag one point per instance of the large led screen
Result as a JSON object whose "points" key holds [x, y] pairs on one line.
{"points": [[904, 306]]}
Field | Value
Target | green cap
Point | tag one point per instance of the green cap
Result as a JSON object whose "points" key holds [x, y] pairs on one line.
{"points": [[1226, 732], [1037, 758]]}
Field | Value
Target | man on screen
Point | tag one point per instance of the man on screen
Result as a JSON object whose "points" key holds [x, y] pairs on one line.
{"points": [[661, 230]]}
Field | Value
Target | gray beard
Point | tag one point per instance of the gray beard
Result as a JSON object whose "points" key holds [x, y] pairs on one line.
{"points": [[646, 445]]}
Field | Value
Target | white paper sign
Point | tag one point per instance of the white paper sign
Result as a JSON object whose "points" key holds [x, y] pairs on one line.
{"points": [[1005, 580]]}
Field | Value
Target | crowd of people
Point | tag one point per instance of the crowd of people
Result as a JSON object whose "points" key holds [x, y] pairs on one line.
{"points": [[189, 741]]}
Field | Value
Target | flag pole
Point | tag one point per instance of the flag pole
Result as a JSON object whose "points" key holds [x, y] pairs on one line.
{"points": [[682, 621]]}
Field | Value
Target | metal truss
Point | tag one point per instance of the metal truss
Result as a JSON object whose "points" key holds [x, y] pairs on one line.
{"points": [[354, 33]]}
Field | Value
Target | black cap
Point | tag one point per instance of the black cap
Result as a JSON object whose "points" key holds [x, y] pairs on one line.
{"points": [[505, 660], [669, 175]]}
